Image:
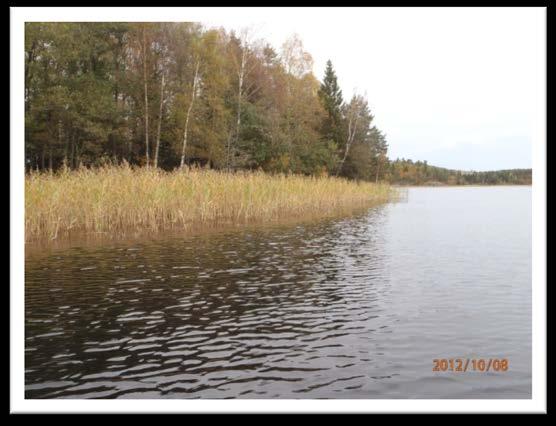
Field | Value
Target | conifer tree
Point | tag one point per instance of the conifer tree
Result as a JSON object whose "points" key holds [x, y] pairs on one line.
{"points": [[332, 101], [330, 93]]}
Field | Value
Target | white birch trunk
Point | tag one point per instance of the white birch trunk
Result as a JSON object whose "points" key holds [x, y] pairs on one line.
{"points": [[352, 127], [241, 75], [159, 123], [193, 94], [146, 96]]}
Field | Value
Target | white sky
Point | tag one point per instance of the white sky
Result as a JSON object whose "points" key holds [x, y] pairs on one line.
{"points": [[453, 86]]}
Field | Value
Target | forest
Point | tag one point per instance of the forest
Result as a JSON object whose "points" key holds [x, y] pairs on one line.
{"points": [[168, 95]]}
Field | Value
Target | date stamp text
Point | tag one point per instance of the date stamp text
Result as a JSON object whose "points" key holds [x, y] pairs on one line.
{"points": [[463, 365]]}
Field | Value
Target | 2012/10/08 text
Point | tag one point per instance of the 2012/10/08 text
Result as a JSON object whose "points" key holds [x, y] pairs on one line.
{"points": [[464, 365]]}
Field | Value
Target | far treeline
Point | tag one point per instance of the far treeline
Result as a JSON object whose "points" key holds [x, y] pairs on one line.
{"points": [[407, 172], [168, 95]]}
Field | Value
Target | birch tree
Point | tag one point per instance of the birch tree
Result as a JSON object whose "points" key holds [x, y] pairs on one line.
{"points": [[297, 64], [189, 109], [162, 49], [353, 114], [297, 61], [159, 121], [244, 65], [381, 150], [146, 118]]}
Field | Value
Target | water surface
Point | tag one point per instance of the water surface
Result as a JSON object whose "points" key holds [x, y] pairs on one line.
{"points": [[356, 307]]}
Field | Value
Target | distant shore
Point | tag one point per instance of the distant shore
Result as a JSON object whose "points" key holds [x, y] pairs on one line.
{"points": [[440, 184]]}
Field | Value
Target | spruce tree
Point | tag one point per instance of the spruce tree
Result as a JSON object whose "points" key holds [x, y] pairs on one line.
{"points": [[330, 93], [332, 101]]}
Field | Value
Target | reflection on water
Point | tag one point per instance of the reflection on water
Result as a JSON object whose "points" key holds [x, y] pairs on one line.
{"points": [[345, 308]]}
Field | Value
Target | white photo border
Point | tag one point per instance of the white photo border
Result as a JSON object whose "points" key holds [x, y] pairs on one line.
{"points": [[18, 403]]}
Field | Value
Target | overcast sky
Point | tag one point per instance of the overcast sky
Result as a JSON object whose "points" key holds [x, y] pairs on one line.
{"points": [[455, 87]]}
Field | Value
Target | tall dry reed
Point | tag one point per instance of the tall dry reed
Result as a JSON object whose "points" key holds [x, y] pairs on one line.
{"points": [[119, 199]]}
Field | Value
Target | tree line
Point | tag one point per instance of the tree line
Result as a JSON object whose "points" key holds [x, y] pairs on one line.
{"points": [[407, 172], [169, 95]]}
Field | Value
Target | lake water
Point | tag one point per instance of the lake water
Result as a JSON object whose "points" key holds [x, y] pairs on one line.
{"points": [[356, 307]]}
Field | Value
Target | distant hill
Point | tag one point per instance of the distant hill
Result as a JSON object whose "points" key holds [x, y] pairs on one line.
{"points": [[407, 172]]}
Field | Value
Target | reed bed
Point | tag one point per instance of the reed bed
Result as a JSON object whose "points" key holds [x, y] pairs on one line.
{"points": [[120, 199]]}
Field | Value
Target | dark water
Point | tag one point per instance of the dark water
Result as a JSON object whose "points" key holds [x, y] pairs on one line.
{"points": [[349, 308]]}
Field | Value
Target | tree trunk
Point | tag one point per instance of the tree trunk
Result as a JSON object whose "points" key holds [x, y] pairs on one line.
{"points": [[77, 156], [241, 74], [65, 160], [351, 136], [72, 157], [193, 94], [159, 122], [146, 96], [50, 158], [129, 144], [30, 60]]}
